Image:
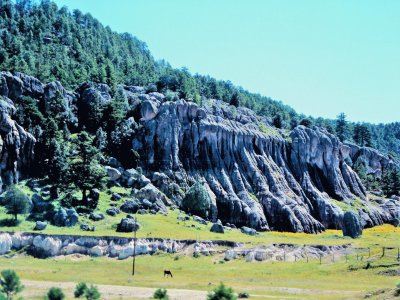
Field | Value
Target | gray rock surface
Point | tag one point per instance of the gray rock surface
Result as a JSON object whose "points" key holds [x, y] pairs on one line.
{"points": [[351, 225], [257, 176], [96, 217], [128, 225], [217, 227], [130, 207], [65, 217], [16, 145], [40, 225], [249, 231], [113, 211]]}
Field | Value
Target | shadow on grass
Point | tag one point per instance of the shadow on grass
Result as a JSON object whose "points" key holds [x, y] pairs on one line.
{"points": [[9, 222]]}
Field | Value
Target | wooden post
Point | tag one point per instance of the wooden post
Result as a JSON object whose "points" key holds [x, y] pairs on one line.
{"points": [[320, 259], [134, 247], [369, 252], [284, 255], [383, 251]]}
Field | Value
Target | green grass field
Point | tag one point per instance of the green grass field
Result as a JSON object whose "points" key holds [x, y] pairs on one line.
{"points": [[263, 280], [299, 280]]}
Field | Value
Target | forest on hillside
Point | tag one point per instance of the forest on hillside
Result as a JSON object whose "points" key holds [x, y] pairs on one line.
{"points": [[52, 43]]}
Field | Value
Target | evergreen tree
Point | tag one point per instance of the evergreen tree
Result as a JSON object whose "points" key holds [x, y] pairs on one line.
{"points": [[235, 100], [362, 135], [342, 127], [277, 121], [115, 111], [10, 283], [85, 171], [391, 183], [306, 122], [16, 202]]}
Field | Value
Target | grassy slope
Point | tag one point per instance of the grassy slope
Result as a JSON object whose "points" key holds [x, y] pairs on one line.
{"points": [[168, 226], [263, 279]]}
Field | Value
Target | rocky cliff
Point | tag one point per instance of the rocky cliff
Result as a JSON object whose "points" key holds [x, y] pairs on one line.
{"points": [[16, 144], [256, 175]]}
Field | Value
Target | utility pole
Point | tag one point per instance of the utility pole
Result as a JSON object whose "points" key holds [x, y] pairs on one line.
{"points": [[134, 247]]}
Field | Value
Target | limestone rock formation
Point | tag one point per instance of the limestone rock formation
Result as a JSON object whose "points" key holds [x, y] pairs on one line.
{"points": [[16, 145], [256, 175]]}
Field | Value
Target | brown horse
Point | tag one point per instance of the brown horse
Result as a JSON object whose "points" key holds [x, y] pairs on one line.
{"points": [[168, 273]]}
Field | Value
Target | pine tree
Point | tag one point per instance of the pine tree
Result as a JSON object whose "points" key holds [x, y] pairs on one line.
{"points": [[342, 127], [235, 100], [85, 171]]}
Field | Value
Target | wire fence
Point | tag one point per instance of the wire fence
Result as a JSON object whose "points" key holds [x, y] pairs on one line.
{"points": [[309, 254]]}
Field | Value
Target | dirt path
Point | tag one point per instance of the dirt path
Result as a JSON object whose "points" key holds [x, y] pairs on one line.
{"points": [[37, 289]]}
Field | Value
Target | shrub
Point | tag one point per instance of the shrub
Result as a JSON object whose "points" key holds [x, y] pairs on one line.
{"points": [[92, 293], [16, 202], [10, 284], [80, 289], [55, 294], [161, 294], [197, 201], [222, 292]]}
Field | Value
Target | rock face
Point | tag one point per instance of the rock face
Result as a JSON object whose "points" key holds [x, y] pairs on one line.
{"points": [[16, 145], [374, 161], [263, 181], [256, 176]]}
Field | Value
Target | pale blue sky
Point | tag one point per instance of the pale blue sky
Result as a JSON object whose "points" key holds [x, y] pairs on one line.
{"points": [[320, 57]]}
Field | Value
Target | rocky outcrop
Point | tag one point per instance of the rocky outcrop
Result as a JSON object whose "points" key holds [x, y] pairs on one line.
{"points": [[256, 175], [41, 245], [16, 145], [374, 161], [260, 178]]}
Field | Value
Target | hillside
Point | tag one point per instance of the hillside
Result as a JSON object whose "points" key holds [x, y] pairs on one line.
{"points": [[53, 43], [215, 161]]}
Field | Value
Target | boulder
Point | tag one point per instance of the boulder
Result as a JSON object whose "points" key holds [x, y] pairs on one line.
{"points": [[116, 197], [40, 225], [128, 225], [65, 217], [199, 220], [113, 211], [96, 217], [249, 231], [113, 174], [87, 227], [217, 227], [229, 255], [155, 196], [133, 178], [351, 225], [130, 207], [114, 163]]}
